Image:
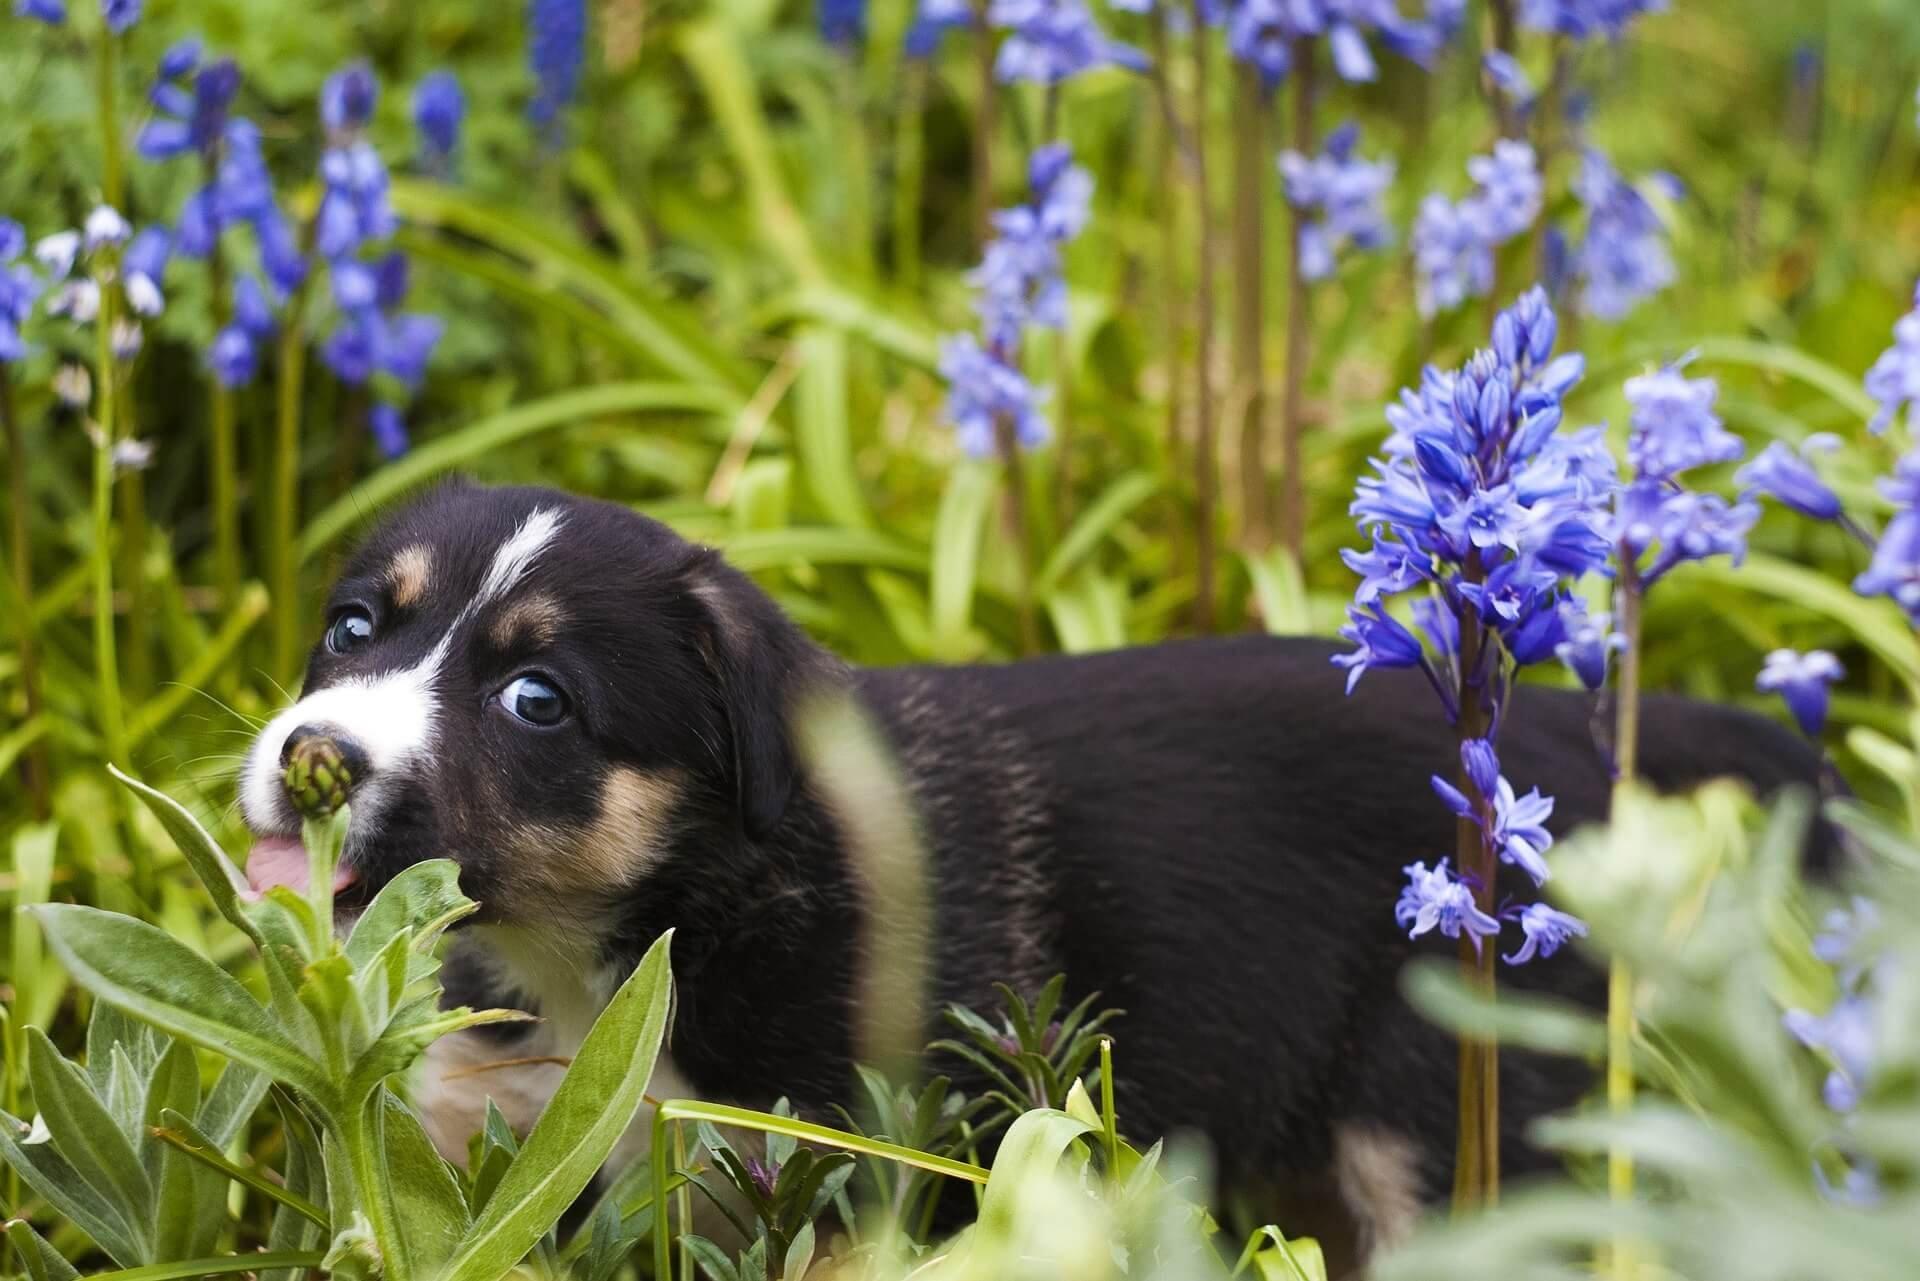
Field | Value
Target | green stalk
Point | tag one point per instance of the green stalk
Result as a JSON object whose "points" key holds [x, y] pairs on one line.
{"points": [[1476, 1171], [222, 459], [1293, 495], [1622, 1260], [34, 761], [1206, 465], [983, 125], [909, 174], [1167, 147], [1251, 176], [284, 505], [105, 658], [1109, 1126]]}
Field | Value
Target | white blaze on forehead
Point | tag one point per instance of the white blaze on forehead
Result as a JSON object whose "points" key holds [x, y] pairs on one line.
{"points": [[391, 716], [515, 557]]}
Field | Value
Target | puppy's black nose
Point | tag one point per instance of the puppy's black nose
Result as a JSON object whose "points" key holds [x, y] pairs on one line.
{"points": [[320, 766]]}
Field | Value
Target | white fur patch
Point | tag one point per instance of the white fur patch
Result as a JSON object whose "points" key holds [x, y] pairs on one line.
{"points": [[515, 557], [1378, 1174]]}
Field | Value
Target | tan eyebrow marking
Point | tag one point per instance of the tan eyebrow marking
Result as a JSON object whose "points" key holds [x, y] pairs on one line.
{"points": [[536, 619], [615, 848], [410, 574]]}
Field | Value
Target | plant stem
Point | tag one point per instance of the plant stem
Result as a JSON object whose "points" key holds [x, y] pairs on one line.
{"points": [[33, 762], [1505, 35], [983, 126], [1293, 492], [1167, 142], [1622, 1263], [1018, 527], [284, 506], [105, 657], [1251, 176], [222, 459], [909, 173], [1476, 1173], [1206, 465]]}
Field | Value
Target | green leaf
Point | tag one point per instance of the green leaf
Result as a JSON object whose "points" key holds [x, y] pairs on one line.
{"points": [[1094, 524], [821, 545], [164, 982], [1520, 1019], [465, 445], [1282, 592], [42, 1261], [424, 894], [221, 1266], [426, 1194], [231, 1103], [1877, 624], [712, 1259], [36, 987], [188, 1209], [823, 433], [180, 1134], [223, 881], [86, 1133], [595, 1103], [957, 529], [49, 1174], [1032, 1147], [1278, 1259]]}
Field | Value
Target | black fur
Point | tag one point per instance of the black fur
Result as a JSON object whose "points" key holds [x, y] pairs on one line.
{"points": [[1208, 832]]}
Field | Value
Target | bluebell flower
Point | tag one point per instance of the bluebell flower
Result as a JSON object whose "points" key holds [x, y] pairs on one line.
{"points": [[438, 108], [556, 49], [932, 20], [143, 269], [843, 22], [1389, 568], [1049, 41], [48, 11], [1259, 32], [354, 208], [120, 15], [389, 429], [1452, 254], [104, 226], [19, 288], [1511, 190], [1435, 900], [1519, 829], [1623, 258], [1785, 474], [1845, 1035], [1589, 645], [1585, 19], [1379, 641], [186, 121], [1509, 77], [1547, 930], [1802, 680], [347, 98], [1345, 196], [983, 390], [1675, 427], [1894, 570], [1894, 380]]}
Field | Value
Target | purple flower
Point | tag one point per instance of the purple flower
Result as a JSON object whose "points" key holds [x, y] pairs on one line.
{"points": [[1674, 425], [984, 390], [188, 122], [438, 108], [120, 15], [1624, 258], [389, 430], [1589, 645], [1845, 1035], [1586, 19], [1895, 568], [1452, 254], [556, 44], [1345, 194], [1260, 31], [1786, 476], [53, 12], [143, 268], [1547, 930], [19, 288], [1511, 191], [1802, 680], [232, 357], [1380, 642], [1508, 76], [1053, 40], [843, 22], [1434, 900], [1894, 380], [1519, 829]]}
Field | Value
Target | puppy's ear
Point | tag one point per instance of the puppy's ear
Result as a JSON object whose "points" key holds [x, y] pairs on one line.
{"points": [[764, 666]]}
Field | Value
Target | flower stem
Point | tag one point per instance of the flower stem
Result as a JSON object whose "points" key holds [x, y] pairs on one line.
{"points": [[34, 762], [1293, 493], [1250, 178], [284, 507], [909, 173], [1206, 465], [1167, 147], [1008, 446], [105, 655], [1476, 1171], [983, 126], [1622, 1260], [222, 459]]}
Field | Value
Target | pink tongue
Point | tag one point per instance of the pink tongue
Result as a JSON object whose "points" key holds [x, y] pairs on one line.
{"points": [[282, 860]]}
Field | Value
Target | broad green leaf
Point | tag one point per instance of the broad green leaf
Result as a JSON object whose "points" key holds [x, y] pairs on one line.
{"points": [[821, 545], [231, 1103], [594, 1105], [464, 445], [48, 1173], [424, 893], [37, 987], [823, 431], [85, 1132], [1519, 1019], [713, 1261], [180, 1134], [1106, 512], [110, 1028], [42, 1261], [425, 1190], [186, 1195], [224, 1265], [1282, 592], [1031, 1149], [223, 881], [1279, 1259], [1877, 624], [155, 978], [957, 531]]}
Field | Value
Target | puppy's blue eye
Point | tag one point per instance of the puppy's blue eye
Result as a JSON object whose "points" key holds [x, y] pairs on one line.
{"points": [[534, 700], [349, 631]]}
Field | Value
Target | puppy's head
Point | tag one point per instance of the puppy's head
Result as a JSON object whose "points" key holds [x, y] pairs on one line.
{"points": [[543, 688]]}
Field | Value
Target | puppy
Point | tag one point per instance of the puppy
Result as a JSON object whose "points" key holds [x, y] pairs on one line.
{"points": [[592, 717]]}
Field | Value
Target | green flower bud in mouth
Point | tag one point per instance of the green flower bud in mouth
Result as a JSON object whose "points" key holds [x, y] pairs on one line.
{"points": [[317, 778]]}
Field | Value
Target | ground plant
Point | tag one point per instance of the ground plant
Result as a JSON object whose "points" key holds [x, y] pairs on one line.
{"points": [[1572, 342]]}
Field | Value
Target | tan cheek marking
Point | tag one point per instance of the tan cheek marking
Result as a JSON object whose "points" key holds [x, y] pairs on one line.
{"points": [[410, 575], [626, 837], [535, 620]]}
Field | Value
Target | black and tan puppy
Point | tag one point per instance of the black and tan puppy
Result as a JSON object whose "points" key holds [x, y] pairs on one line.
{"points": [[591, 716]]}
